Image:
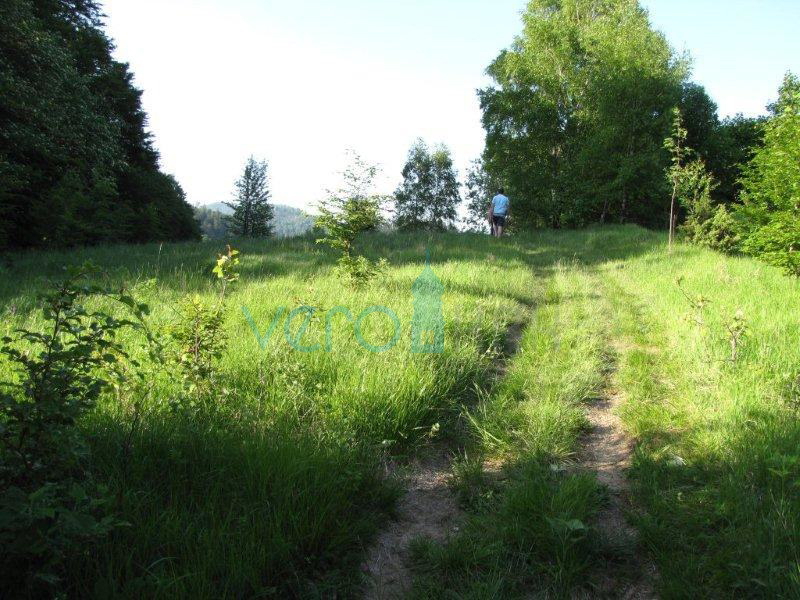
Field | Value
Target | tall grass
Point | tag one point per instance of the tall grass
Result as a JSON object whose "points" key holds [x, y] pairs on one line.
{"points": [[278, 488], [531, 530], [718, 467]]}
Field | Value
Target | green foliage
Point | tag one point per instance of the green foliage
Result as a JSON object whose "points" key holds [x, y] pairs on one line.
{"points": [[676, 174], [50, 506], [723, 146], [40, 528], [770, 211], [252, 212], [737, 331], [348, 212], [695, 185], [579, 109], [159, 210], [692, 188], [480, 189], [734, 142], [713, 227], [227, 266], [699, 113], [76, 163], [429, 195], [200, 338]]}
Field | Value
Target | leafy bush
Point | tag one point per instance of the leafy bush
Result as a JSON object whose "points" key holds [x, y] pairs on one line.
{"points": [[692, 187], [770, 214], [49, 504], [199, 337], [199, 341], [776, 240], [348, 212]]}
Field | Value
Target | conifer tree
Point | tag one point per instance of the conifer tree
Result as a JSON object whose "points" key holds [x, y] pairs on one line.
{"points": [[252, 212], [77, 164]]}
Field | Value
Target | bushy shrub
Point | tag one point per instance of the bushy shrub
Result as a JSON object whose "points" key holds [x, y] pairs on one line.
{"points": [[198, 343], [717, 231], [199, 338], [348, 212], [707, 224], [769, 218], [776, 240], [49, 504]]}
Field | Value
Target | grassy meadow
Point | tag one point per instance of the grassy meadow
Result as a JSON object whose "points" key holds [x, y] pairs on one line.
{"points": [[278, 489]]}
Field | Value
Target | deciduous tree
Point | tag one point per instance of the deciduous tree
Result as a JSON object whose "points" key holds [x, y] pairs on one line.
{"points": [[577, 115], [429, 195], [770, 213]]}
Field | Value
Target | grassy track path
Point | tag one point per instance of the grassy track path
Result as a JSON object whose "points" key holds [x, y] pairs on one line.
{"points": [[428, 508], [623, 570], [556, 520], [276, 489]]}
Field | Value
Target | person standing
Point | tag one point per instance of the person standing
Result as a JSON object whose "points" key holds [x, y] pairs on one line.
{"points": [[499, 211]]}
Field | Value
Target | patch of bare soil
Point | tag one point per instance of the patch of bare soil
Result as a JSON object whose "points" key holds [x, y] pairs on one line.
{"points": [[607, 451], [511, 345], [427, 509]]}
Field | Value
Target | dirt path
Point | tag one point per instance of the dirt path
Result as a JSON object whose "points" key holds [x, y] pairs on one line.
{"points": [[427, 509], [607, 451]]}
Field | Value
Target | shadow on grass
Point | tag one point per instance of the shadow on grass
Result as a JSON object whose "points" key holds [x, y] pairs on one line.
{"points": [[186, 267], [728, 524], [248, 510], [226, 506]]}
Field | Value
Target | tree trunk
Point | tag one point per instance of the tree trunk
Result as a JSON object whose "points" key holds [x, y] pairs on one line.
{"points": [[672, 216]]}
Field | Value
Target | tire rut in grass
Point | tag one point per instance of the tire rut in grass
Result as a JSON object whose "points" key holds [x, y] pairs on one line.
{"points": [[427, 509], [607, 451]]}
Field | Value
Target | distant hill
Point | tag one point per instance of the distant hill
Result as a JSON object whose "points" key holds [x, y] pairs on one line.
{"points": [[289, 221], [220, 207]]}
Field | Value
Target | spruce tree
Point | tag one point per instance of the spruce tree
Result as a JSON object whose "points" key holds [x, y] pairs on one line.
{"points": [[252, 212]]}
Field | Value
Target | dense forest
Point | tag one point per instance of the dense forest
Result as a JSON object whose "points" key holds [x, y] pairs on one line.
{"points": [[77, 164]]}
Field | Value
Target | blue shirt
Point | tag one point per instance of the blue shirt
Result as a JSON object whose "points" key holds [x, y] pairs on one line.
{"points": [[500, 205]]}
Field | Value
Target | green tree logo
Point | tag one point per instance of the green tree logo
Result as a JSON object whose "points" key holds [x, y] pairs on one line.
{"points": [[427, 326]]}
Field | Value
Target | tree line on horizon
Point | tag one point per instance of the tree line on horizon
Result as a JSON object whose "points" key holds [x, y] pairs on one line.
{"points": [[580, 120], [287, 221], [579, 123]]}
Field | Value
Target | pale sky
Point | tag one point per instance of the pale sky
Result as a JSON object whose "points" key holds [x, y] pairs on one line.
{"points": [[298, 82]]}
